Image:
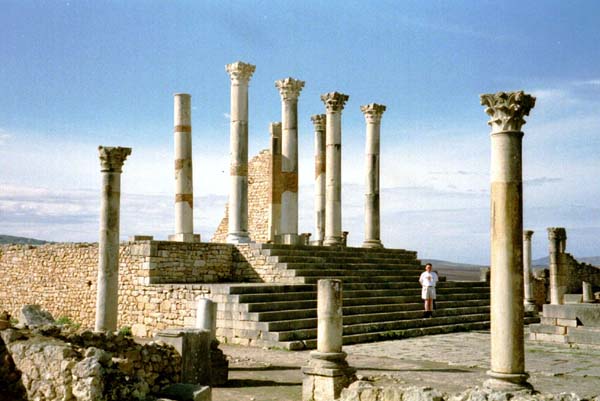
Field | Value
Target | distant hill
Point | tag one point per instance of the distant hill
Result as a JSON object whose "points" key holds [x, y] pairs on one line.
{"points": [[455, 271], [9, 239], [592, 260]]}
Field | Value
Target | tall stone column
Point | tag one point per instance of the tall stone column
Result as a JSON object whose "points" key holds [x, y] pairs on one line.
{"points": [[507, 112], [240, 74], [319, 121], [373, 113], [289, 89], [327, 372], [528, 300], [111, 162], [184, 183], [276, 187], [334, 103], [557, 242]]}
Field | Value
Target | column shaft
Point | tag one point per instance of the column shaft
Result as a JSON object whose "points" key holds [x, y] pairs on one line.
{"points": [[334, 103], [373, 113], [556, 242], [276, 184], [184, 192], [329, 316], [240, 74], [111, 159], [319, 121], [507, 342], [528, 300], [289, 89]]}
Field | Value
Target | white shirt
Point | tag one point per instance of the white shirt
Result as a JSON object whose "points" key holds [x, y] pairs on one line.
{"points": [[428, 279]]}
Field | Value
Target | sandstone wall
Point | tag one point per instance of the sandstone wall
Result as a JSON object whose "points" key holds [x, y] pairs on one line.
{"points": [[159, 281], [577, 272], [259, 187]]}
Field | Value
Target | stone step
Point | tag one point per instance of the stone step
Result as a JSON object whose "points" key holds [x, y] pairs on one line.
{"points": [[367, 268], [364, 301], [342, 254], [268, 316], [363, 328], [342, 273], [339, 250], [342, 259], [312, 295], [387, 278]]}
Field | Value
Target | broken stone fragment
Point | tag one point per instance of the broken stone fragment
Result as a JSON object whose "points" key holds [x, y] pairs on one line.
{"points": [[34, 316]]}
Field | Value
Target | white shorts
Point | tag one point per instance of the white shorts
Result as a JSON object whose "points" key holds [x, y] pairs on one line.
{"points": [[428, 293]]}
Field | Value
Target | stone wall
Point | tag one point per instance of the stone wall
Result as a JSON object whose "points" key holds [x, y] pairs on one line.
{"points": [[50, 364], [159, 281], [576, 272], [62, 279], [259, 187]]}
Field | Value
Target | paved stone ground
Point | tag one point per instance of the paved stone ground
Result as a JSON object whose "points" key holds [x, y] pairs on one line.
{"points": [[448, 362]]}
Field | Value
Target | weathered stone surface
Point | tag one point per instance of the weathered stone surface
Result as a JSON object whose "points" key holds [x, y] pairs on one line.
{"points": [[34, 316], [186, 392], [90, 366]]}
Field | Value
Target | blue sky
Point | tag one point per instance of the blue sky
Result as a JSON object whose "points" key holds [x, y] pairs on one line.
{"points": [[78, 74]]}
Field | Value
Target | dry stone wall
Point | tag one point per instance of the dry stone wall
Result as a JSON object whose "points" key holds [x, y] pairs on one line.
{"points": [[576, 272], [160, 282], [62, 279], [259, 187]]}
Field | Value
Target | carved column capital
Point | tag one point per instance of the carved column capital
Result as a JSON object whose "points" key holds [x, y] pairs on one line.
{"points": [[112, 158], [507, 109], [334, 101], [557, 233], [373, 112], [240, 72], [289, 88], [527, 234], [319, 121]]}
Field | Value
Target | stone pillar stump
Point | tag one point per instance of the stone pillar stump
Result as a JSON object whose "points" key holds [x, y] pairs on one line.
{"points": [[528, 299], [327, 372]]}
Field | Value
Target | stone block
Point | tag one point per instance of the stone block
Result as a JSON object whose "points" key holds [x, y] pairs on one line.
{"points": [[584, 335], [35, 316], [139, 330], [566, 322], [546, 329], [187, 392], [554, 338], [134, 238], [548, 321], [587, 314], [572, 298], [194, 347]]}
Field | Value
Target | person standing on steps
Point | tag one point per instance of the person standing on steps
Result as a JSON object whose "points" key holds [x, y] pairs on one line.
{"points": [[428, 280]]}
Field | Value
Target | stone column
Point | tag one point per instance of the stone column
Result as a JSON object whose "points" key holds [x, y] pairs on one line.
{"points": [[289, 89], [557, 242], [111, 162], [206, 316], [334, 103], [319, 121], [507, 112], [327, 372], [528, 300], [276, 187], [184, 185], [240, 74], [373, 113], [587, 292]]}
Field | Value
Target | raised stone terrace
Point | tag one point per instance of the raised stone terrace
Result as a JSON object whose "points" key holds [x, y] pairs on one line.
{"points": [[381, 298]]}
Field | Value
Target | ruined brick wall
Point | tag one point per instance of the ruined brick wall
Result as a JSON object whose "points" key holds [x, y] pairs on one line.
{"points": [[577, 272], [259, 187], [62, 279]]}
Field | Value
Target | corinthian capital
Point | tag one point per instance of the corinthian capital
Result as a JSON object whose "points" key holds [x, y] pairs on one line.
{"points": [[112, 158], [527, 234], [240, 72], [507, 109], [289, 88], [319, 121], [557, 233], [334, 101], [373, 112]]}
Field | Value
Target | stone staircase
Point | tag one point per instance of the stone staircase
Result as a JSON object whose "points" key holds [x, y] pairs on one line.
{"points": [[381, 298]]}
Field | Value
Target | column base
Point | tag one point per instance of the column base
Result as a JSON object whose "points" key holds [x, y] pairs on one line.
{"points": [[326, 375], [288, 239], [372, 243], [508, 382], [333, 241], [530, 306], [184, 237], [316, 243], [238, 238]]}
